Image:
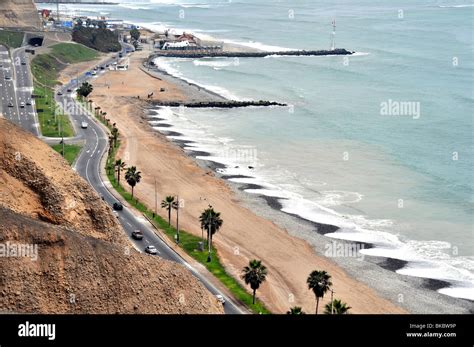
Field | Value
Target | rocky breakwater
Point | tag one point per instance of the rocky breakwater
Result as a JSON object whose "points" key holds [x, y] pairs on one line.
{"points": [[218, 104], [219, 53]]}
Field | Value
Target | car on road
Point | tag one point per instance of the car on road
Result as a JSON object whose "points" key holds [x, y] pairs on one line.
{"points": [[84, 125], [137, 235], [69, 90], [22, 104], [93, 73], [60, 93], [150, 249], [23, 62], [220, 298], [115, 214], [28, 102], [7, 78], [10, 104], [117, 206]]}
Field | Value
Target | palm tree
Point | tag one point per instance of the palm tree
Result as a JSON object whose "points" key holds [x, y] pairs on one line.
{"points": [[254, 274], [85, 89], [119, 164], [295, 310], [115, 135], [319, 282], [133, 177], [168, 203], [210, 219], [337, 307]]}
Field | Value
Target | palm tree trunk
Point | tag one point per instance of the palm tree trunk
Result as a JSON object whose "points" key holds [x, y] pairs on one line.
{"points": [[317, 304], [254, 292], [169, 215], [132, 192]]}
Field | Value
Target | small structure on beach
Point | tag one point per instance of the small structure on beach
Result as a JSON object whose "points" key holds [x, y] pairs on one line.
{"points": [[183, 42]]}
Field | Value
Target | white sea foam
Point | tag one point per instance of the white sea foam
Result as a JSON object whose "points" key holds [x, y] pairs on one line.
{"points": [[215, 62], [133, 6], [259, 46], [427, 259], [456, 6], [459, 292], [167, 65], [359, 54]]}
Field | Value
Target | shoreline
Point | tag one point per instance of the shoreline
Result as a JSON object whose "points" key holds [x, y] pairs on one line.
{"points": [[380, 265], [271, 212]]}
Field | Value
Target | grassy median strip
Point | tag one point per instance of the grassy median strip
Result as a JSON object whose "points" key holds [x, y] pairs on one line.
{"points": [[11, 39], [46, 69], [188, 241], [70, 151], [53, 122]]}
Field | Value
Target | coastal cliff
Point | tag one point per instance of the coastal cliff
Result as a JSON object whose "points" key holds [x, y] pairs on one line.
{"points": [[19, 14], [75, 256]]}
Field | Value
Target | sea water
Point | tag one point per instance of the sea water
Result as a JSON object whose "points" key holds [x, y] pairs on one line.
{"points": [[379, 143]]}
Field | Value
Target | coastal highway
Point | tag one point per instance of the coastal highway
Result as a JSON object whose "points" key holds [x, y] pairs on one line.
{"points": [[17, 86], [88, 165]]}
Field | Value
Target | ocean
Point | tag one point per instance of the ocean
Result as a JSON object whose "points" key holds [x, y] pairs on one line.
{"points": [[379, 144]]}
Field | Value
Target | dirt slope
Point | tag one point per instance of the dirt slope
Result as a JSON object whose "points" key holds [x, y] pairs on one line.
{"points": [[85, 263], [19, 13]]}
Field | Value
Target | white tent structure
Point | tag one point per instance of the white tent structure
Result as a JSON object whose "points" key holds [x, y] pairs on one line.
{"points": [[174, 45]]}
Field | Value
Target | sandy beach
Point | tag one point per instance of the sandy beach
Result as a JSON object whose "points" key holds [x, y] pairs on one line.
{"points": [[244, 235]]}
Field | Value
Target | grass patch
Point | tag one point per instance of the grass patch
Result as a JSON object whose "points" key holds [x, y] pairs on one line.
{"points": [[45, 69], [73, 53], [11, 39], [51, 121], [70, 151], [188, 241]]}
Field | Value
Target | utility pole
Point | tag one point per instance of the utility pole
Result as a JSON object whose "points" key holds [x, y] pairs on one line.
{"points": [[177, 218], [209, 237], [332, 301], [156, 202], [333, 41]]}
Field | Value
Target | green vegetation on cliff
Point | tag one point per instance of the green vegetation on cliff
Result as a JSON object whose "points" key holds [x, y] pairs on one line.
{"points": [[11, 39], [100, 39]]}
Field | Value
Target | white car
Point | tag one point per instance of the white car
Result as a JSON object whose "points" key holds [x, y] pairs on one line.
{"points": [[220, 298], [84, 125], [22, 104], [151, 249]]}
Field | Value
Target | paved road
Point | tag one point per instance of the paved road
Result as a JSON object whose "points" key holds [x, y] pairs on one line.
{"points": [[88, 165], [16, 89]]}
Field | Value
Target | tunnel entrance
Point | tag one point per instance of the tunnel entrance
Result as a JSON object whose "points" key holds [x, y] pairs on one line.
{"points": [[35, 41]]}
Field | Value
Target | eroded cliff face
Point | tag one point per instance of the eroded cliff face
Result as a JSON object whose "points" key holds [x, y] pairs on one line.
{"points": [[76, 257], [19, 13]]}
